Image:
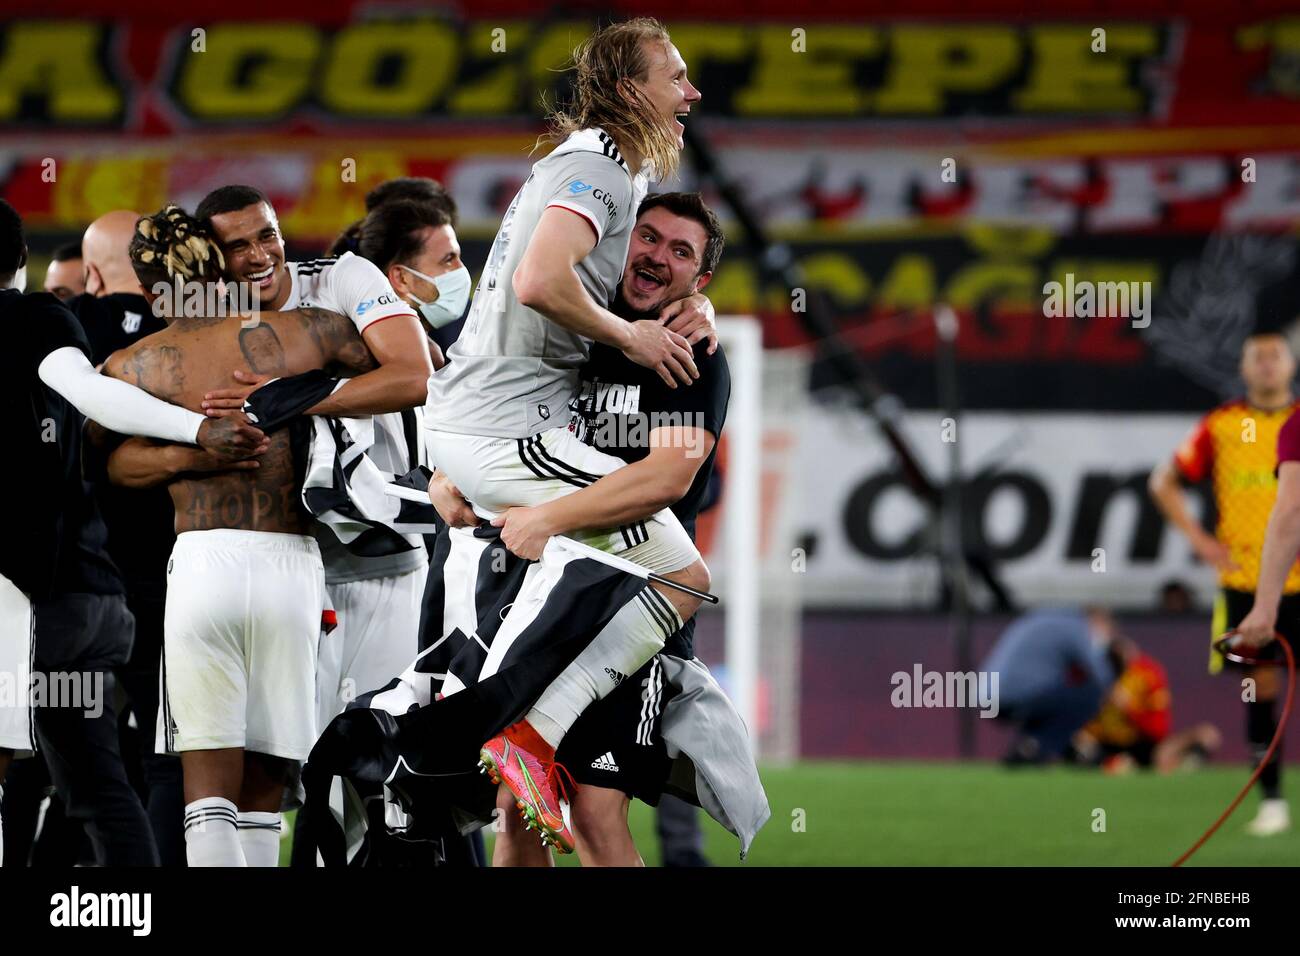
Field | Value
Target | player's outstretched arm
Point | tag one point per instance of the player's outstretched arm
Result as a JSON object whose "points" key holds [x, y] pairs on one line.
{"points": [[145, 463], [118, 405], [545, 281], [387, 366], [631, 493], [399, 381], [127, 409], [1281, 544]]}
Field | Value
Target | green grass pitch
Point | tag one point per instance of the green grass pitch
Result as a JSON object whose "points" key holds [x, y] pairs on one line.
{"points": [[978, 814]]}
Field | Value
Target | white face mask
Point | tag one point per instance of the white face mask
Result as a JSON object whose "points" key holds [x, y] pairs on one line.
{"points": [[20, 279], [453, 292]]}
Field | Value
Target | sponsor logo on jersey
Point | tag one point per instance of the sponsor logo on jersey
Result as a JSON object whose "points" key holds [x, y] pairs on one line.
{"points": [[606, 762], [131, 322], [615, 676], [369, 304], [544, 411], [602, 196], [578, 186]]}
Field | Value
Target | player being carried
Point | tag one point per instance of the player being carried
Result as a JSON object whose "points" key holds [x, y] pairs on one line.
{"points": [[497, 411], [245, 584]]}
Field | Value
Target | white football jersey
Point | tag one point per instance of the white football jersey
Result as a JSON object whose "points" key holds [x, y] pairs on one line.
{"points": [[355, 287]]}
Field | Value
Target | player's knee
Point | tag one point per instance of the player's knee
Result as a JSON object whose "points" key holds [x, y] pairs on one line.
{"points": [[696, 576], [599, 825]]}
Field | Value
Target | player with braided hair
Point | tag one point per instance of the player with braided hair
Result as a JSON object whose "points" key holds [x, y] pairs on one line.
{"points": [[245, 582], [171, 245]]}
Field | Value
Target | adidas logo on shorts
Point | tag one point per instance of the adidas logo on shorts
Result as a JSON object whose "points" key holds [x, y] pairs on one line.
{"points": [[615, 676], [606, 762]]}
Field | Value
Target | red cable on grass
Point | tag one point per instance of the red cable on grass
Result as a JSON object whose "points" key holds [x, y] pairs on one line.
{"points": [[1222, 644]]}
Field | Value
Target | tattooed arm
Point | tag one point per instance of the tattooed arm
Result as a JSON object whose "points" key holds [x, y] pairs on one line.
{"points": [[141, 462], [145, 463], [396, 380], [335, 346]]}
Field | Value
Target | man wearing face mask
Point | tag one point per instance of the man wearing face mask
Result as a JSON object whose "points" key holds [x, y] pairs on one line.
{"points": [[414, 244], [415, 247]]}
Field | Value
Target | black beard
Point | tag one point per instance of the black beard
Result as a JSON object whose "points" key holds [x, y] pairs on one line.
{"points": [[623, 310]]}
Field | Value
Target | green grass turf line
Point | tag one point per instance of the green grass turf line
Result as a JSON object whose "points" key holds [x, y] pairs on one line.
{"points": [[977, 814]]}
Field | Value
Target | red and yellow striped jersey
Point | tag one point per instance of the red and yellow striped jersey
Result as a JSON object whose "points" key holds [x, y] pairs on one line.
{"points": [[1235, 445]]}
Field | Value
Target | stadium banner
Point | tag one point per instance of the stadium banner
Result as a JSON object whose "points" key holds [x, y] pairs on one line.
{"points": [[316, 66], [1058, 503], [1201, 260], [812, 190]]}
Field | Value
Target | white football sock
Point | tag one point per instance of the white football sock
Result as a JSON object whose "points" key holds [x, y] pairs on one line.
{"points": [[259, 835], [210, 835], [633, 636]]}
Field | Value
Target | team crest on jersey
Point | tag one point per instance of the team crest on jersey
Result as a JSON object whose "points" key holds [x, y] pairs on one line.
{"points": [[131, 322]]}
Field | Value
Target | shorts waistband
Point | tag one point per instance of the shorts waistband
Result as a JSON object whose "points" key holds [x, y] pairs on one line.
{"points": [[239, 539]]}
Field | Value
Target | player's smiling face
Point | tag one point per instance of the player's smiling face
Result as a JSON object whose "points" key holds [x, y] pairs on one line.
{"points": [[667, 88], [254, 251], [663, 260]]}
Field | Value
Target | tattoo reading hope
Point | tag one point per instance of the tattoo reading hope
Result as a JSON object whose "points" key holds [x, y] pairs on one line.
{"points": [[233, 508]]}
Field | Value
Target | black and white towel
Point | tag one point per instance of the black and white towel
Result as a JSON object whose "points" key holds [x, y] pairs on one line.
{"points": [[535, 618]]}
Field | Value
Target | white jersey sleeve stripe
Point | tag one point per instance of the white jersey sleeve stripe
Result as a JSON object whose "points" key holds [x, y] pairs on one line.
{"points": [[574, 207]]}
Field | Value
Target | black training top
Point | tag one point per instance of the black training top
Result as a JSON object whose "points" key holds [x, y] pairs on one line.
{"points": [[55, 543], [620, 403], [140, 522]]}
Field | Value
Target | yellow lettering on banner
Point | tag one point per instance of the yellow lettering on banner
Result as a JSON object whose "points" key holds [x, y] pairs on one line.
{"points": [[1066, 76], [1009, 241], [88, 188], [56, 60], [1097, 271], [549, 53], [1009, 282], [820, 82], [733, 290], [497, 90], [424, 55], [700, 43], [1282, 34], [927, 63], [329, 203], [909, 283], [839, 275], [250, 71]]}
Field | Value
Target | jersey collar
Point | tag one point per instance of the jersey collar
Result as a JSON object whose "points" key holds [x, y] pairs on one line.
{"points": [[593, 140]]}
